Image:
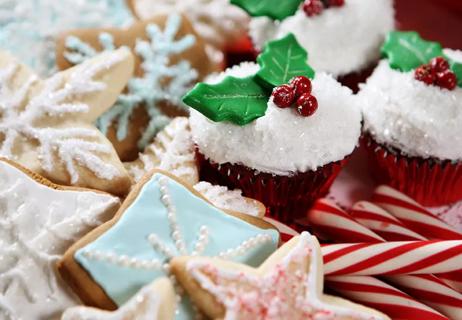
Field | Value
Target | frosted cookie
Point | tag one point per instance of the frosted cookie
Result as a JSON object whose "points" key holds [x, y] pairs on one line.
{"points": [[39, 221], [412, 107], [170, 58], [47, 125], [342, 37], [173, 151], [28, 28], [288, 285], [155, 301], [217, 21], [160, 219], [272, 129]]}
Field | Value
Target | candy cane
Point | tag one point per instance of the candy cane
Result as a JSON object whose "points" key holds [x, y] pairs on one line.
{"points": [[413, 215], [381, 296]]}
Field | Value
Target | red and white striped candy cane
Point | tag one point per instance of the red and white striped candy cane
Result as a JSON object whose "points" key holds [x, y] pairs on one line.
{"points": [[390, 258], [436, 294], [413, 215], [382, 223], [381, 296], [331, 222]]}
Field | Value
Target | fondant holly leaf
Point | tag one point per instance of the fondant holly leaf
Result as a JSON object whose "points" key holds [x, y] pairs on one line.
{"points": [[238, 100], [407, 50], [456, 67], [274, 9], [281, 60]]}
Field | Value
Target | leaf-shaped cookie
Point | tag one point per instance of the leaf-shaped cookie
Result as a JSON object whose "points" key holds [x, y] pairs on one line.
{"points": [[407, 50], [282, 60], [238, 100], [274, 9]]}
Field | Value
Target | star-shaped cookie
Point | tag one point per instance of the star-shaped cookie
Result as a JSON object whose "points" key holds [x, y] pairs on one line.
{"points": [[288, 285], [170, 57], [47, 125], [161, 218], [38, 222], [155, 301]]}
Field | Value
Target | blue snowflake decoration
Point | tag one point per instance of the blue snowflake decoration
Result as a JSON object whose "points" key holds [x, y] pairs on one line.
{"points": [[161, 82], [28, 27]]}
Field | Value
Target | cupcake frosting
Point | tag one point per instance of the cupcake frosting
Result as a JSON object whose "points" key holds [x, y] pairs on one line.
{"points": [[339, 40], [406, 114], [282, 142]]}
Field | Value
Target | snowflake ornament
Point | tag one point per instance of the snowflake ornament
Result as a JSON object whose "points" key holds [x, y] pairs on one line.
{"points": [[163, 80], [155, 301], [46, 125], [164, 220], [288, 285], [28, 27], [38, 222]]}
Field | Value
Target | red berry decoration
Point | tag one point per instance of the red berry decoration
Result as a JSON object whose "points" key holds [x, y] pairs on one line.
{"points": [[336, 3], [313, 7], [439, 64], [425, 74], [307, 105], [283, 96], [446, 79], [301, 85]]}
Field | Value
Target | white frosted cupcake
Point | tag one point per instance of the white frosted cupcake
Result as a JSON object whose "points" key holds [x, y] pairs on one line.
{"points": [[413, 119], [342, 37], [280, 141]]}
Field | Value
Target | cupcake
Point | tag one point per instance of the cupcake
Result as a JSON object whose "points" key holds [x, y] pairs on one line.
{"points": [[412, 106], [275, 130], [343, 37]]}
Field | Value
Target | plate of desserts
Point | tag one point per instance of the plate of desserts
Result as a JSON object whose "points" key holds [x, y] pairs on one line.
{"points": [[230, 159]]}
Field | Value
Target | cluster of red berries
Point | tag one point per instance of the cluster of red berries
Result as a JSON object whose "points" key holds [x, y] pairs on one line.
{"points": [[437, 73], [297, 92], [316, 7]]}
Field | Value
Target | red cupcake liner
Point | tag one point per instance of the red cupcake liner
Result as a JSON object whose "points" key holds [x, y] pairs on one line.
{"points": [[430, 182], [287, 198]]}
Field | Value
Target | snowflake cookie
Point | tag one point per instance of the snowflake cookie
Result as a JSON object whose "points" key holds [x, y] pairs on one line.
{"points": [[170, 58], [155, 301], [217, 21], [160, 219], [39, 221], [173, 151], [47, 125], [288, 285], [28, 28]]}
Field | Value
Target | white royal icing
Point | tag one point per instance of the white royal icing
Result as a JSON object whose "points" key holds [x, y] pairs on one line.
{"points": [[37, 225], [283, 142], [42, 119], [406, 114], [292, 289], [340, 40]]}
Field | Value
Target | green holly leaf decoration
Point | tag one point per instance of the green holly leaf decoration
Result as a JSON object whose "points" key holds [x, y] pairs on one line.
{"points": [[407, 50], [456, 67], [238, 100], [281, 60], [274, 9]]}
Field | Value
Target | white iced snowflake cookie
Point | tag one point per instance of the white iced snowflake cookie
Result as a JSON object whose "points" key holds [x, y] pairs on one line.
{"points": [[339, 40], [288, 285], [415, 118], [155, 301], [38, 222], [173, 151], [282, 142], [47, 125], [217, 21]]}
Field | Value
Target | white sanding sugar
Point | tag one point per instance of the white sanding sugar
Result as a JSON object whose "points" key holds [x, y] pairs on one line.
{"points": [[420, 120], [340, 40], [282, 141]]}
